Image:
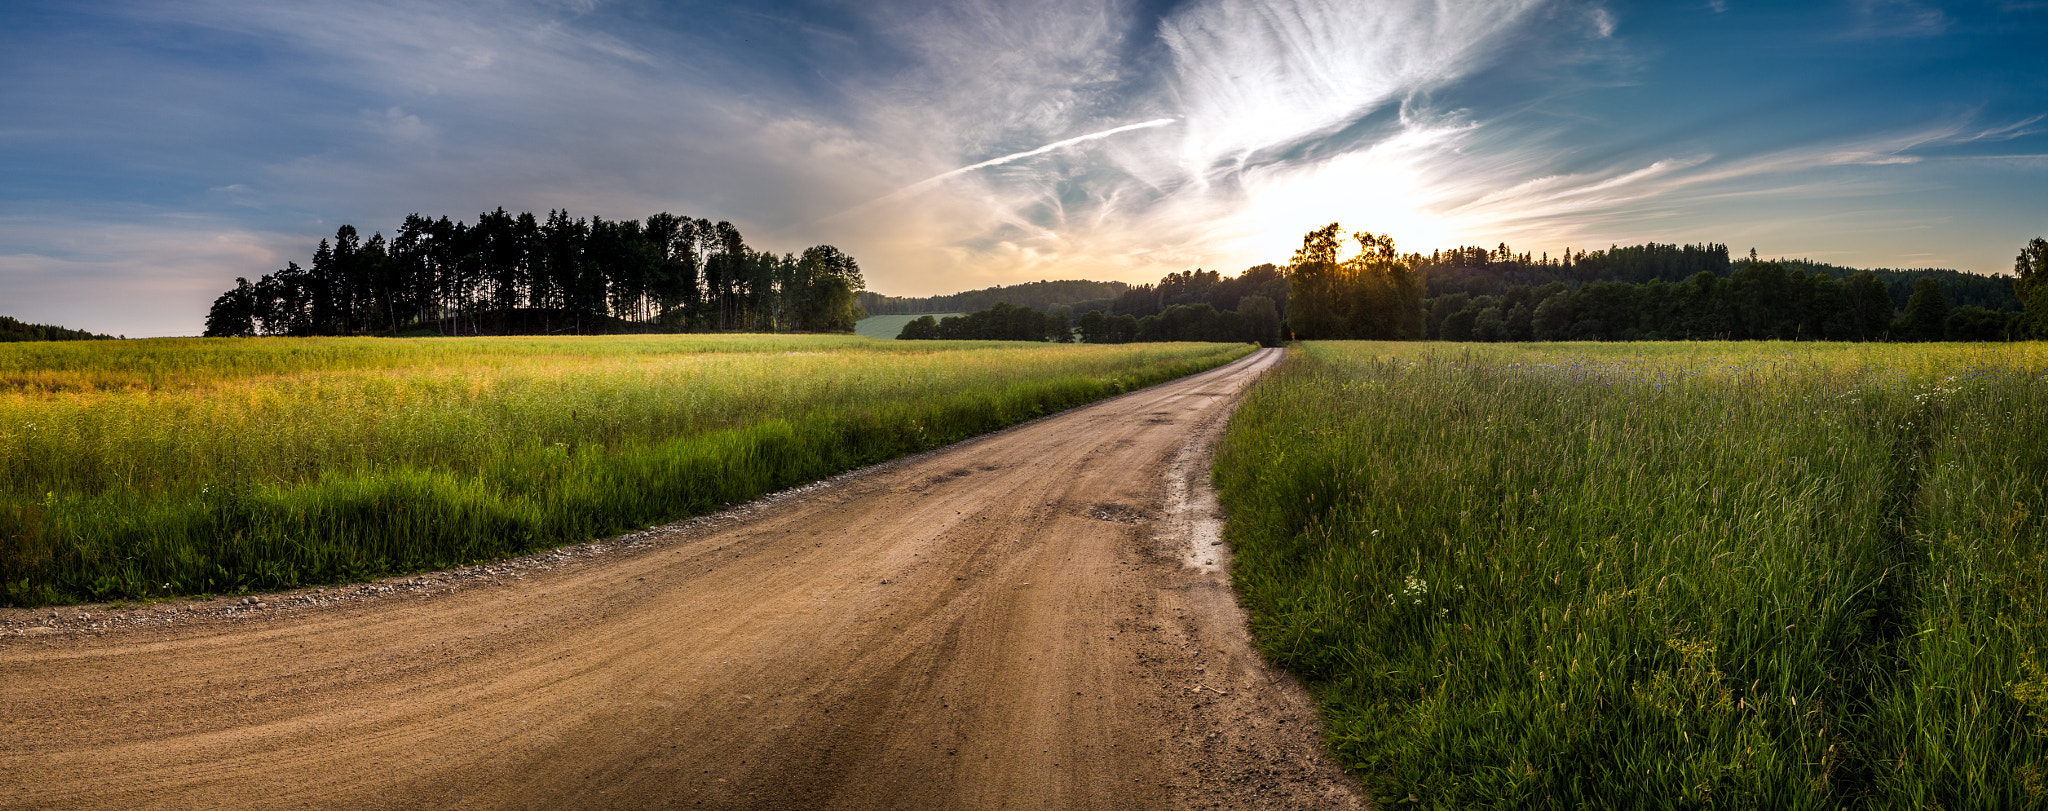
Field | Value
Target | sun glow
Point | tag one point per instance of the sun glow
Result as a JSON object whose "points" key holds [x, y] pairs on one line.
{"points": [[1385, 189]]}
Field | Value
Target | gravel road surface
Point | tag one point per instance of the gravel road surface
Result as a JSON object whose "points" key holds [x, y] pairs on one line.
{"points": [[1038, 618]]}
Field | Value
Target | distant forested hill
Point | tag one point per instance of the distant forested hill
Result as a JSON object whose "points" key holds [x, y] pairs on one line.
{"points": [[1477, 271], [1078, 294], [12, 330]]}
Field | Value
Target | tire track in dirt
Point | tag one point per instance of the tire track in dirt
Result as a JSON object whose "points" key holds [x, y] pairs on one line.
{"points": [[1030, 619]]}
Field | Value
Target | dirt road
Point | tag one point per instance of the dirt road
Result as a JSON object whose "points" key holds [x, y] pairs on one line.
{"points": [[1034, 619]]}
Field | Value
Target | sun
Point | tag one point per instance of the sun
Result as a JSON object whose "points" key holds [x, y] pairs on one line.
{"points": [[1385, 190]]}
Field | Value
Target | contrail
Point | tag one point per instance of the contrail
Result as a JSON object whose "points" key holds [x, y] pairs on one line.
{"points": [[942, 177]]}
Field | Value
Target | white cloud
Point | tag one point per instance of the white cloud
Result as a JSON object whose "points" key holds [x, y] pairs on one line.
{"points": [[397, 125], [1286, 115], [1258, 75]]}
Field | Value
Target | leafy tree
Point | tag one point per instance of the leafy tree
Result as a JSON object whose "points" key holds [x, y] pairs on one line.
{"points": [[823, 290], [1489, 325], [1868, 307], [1003, 322], [1440, 309], [924, 328], [1979, 324], [1376, 294], [2031, 268], [1315, 286], [518, 273], [1261, 320], [1926, 317], [1519, 324], [234, 312], [1151, 329], [1094, 328], [1552, 320]]}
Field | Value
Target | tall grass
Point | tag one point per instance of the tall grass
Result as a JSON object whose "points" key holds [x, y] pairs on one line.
{"points": [[141, 469], [1660, 576]]}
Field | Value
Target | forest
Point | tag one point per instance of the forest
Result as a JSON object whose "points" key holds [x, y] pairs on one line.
{"points": [[1255, 320], [1645, 292], [521, 274], [524, 274], [15, 330], [1045, 296]]}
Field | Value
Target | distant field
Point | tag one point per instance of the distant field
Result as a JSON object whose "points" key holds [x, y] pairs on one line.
{"points": [[149, 468], [1756, 575], [887, 327]]}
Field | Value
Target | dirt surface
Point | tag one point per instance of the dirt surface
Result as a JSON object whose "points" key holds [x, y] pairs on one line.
{"points": [[1038, 618]]}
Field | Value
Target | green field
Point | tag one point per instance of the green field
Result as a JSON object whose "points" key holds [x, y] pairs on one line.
{"points": [[141, 469], [1759, 575], [887, 327]]}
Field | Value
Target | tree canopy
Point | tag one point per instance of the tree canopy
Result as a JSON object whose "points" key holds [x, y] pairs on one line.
{"points": [[562, 274], [14, 330]]}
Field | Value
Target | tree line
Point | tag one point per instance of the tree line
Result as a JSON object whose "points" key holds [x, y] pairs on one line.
{"points": [[1044, 296], [1478, 271], [15, 330], [562, 274], [1254, 319], [1760, 301], [1198, 286], [1378, 293], [1002, 322], [1643, 292]]}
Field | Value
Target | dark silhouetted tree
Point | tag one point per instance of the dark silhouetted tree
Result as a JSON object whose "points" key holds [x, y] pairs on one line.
{"points": [[234, 312], [1926, 316]]}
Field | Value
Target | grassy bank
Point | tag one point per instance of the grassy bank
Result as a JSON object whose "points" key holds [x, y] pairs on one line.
{"points": [[152, 468], [1658, 576]]}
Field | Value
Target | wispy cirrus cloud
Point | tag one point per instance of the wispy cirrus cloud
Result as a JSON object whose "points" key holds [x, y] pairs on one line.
{"points": [[1268, 98], [961, 144]]}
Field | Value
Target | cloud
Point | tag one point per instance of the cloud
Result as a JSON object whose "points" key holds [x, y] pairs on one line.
{"points": [[1637, 201], [1253, 76], [1270, 97], [396, 125], [949, 146], [441, 107], [1013, 157]]}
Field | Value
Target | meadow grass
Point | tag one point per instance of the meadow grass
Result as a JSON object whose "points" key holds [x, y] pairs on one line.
{"points": [[887, 327], [153, 468], [1657, 575]]}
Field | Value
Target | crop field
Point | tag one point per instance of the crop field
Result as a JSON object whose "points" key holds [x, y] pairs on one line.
{"points": [[887, 327], [142, 469], [1757, 575]]}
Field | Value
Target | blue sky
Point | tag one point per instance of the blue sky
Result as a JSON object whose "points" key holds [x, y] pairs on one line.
{"points": [[151, 152]]}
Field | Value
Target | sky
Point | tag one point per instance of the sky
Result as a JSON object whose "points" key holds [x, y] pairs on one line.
{"points": [[151, 152]]}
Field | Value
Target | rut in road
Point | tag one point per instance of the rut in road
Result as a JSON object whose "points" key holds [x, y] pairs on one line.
{"points": [[1038, 618]]}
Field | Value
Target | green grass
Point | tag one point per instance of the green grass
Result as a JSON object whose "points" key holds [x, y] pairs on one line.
{"points": [[887, 327], [145, 469], [1658, 575]]}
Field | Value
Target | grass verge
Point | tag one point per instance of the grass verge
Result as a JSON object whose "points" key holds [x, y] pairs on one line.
{"points": [[159, 468], [1657, 576]]}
